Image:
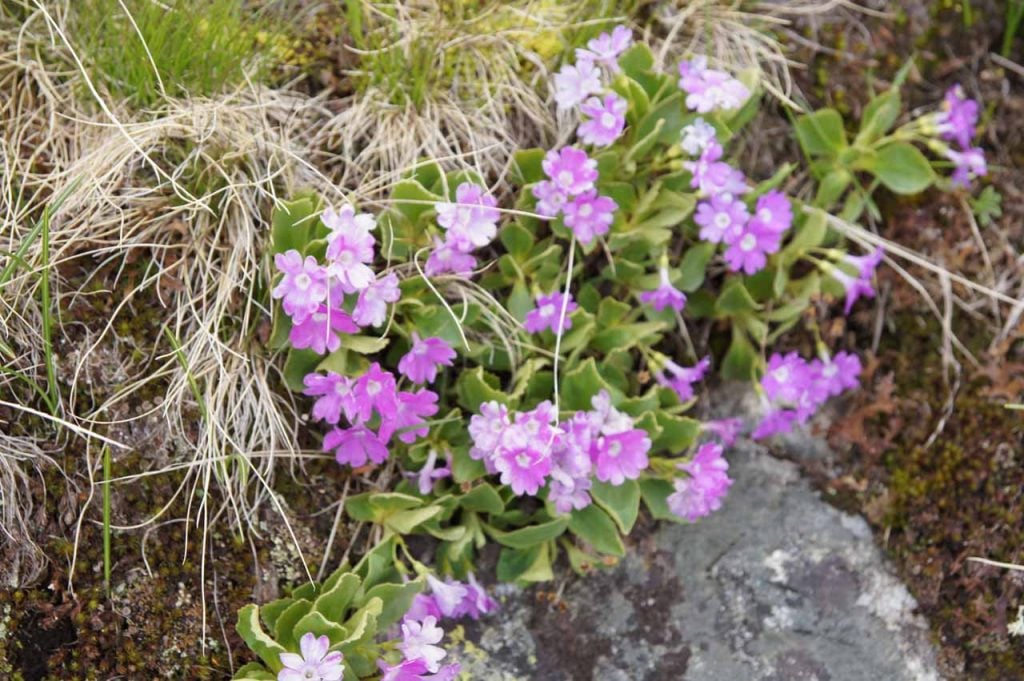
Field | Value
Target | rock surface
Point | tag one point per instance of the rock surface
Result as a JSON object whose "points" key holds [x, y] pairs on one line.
{"points": [[776, 586]]}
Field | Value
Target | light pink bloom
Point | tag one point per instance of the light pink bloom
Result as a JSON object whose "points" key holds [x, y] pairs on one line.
{"points": [[589, 216], [321, 330], [574, 83], [666, 295], [550, 199], [447, 594], [416, 670], [355, 446], [607, 120], [372, 307], [749, 252], [472, 221], [420, 364], [447, 258], [701, 493], [524, 470], [773, 213], [314, 663], [721, 219], [681, 379], [430, 473], [410, 410], [570, 169], [334, 396], [347, 221], [708, 89], [548, 313], [970, 164], [606, 48], [620, 457], [375, 389], [303, 287], [347, 255], [697, 137], [419, 642]]}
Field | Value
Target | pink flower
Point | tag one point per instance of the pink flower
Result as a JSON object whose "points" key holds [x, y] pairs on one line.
{"points": [[698, 137], [620, 457], [472, 221], [422, 606], [970, 164], [773, 213], [524, 470], [701, 493], [775, 422], [407, 420], [589, 216], [550, 199], [447, 258], [606, 122], [840, 373], [570, 169], [419, 642], [355, 446], [714, 177], [314, 663], [865, 265], [855, 287], [477, 602], [420, 364], [372, 306], [606, 48], [726, 430], [666, 295], [347, 255], [570, 482], [708, 89], [786, 377], [681, 379], [748, 253], [321, 330], [448, 595], [721, 220], [487, 430], [303, 286], [375, 389], [416, 670], [574, 83], [959, 117], [347, 221], [334, 396], [549, 311], [430, 473]]}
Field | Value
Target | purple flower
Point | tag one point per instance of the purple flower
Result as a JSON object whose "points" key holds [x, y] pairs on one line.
{"points": [[315, 662], [840, 373], [524, 470], [347, 221], [574, 83], [970, 164], [347, 255], [472, 221], [714, 177], [420, 364], [721, 219], [355, 446], [606, 122], [303, 286], [958, 118], [856, 287], [698, 137], [786, 377], [446, 257], [773, 214], [606, 419], [422, 606], [477, 601], [416, 670], [865, 264], [548, 312], [570, 169], [606, 48], [407, 420], [666, 295], [620, 457], [775, 422], [708, 89], [570, 482], [321, 330], [726, 430], [430, 473], [487, 429], [681, 379], [749, 252], [589, 216], [702, 492], [372, 306], [334, 396], [375, 389], [448, 595], [419, 642], [550, 199]]}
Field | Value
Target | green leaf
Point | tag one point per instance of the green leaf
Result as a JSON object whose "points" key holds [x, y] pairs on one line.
{"points": [[809, 234], [581, 384], [735, 299], [365, 345], [412, 199], [388, 502], [902, 168], [315, 623], [622, 502], [739, 360], [249, 628], [821, 133], [332, 604], [253, 671], [395, 599], [405, 522], [596, 528], [677, 432], [482, 499], [285, 625], [464, 468], [637, 60], [525, 565], [291, 224], [879, 116], [297, 364], [476, 386], [526, 168], [532, 535], [628, 336], [655, 494], [517, 240], [611, 311], [694, 265]]}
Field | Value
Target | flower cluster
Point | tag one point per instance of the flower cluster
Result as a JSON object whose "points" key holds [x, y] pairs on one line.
{"points": [[530, 449], [858, 284], [956, 122], [471, 222], [313, 662], [452, 599], [570, 190], [794, 388], [708, 89], [702, 491]]}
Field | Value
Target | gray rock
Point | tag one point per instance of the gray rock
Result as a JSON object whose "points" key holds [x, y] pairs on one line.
{"points": [[775, 586]]}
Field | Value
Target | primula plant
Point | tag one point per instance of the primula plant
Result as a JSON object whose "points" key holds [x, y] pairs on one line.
{"points": [[528, 369]]}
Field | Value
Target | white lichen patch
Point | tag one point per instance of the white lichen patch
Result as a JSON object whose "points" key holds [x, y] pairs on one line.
{"points": [[776, 562], [887, 599], [780, 619]]}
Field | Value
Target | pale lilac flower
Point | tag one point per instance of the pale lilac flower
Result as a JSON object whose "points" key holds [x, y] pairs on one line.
{"points": [[420, 364], [347, 221], [681, 379], [708, 89], [447, 258], [477, 601], [419, 642], [570, 169], [620, 457], [698, 137], [303, 286], [785, 377], [570, 482], [959, 117], [334, 396], [840, 373], [422, 606], [355, 446], [773, 213], [430, 473], [775, 422], [749, 252], [314, 663], [589, 216], [970, 164], [322, 330], [721, 220], [606, 122], [856, 287], [606, 48], [416, 670], [487, 429], [472, 221], [701, 493], [713, 177], [550, 199], [410, 410], [347, 256], [375, 389], [575, 82], [548, 312], [524, 470], [372, 306], [666, 295], [606, 419], [448, 595], [865, 265], [726, 430]]}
